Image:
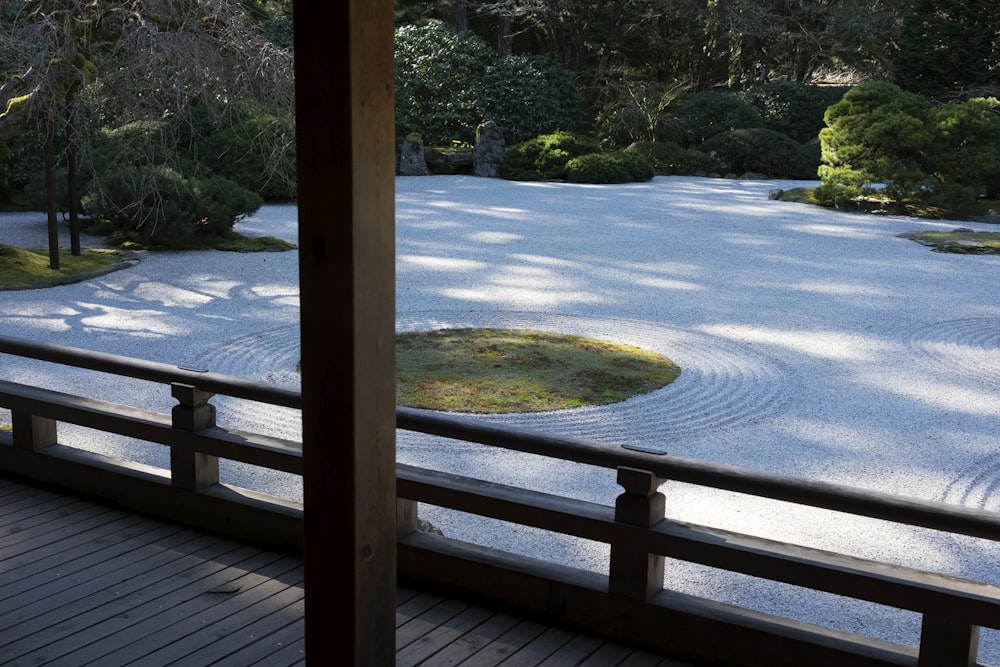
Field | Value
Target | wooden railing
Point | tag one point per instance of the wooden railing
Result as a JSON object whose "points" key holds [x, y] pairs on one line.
{"points": [[629, 603]]}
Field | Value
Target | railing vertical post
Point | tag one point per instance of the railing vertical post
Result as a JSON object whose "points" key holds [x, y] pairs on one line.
{"points": [[192, 470], [635, 572], [31, 431], [407, 519], [947, 643]]}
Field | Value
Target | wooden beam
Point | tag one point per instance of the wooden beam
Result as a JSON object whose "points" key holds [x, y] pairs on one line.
{"points": [[346, 178]]}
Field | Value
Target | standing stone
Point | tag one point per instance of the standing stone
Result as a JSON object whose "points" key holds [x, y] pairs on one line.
{"points": [[489, 151], [411, 156]]}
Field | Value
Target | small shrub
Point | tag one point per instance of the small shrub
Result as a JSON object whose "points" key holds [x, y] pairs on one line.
{"points": [[795, 109], [544, 157], [529, 95], [157, 205], [708, 113], [611, 167], [757, 149], [808, 157], [639, 112], [668, 158], [279, 32], [257, 151]]}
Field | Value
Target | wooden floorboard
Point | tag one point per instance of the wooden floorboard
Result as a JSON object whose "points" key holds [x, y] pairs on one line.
{"points": [[85, 583]]}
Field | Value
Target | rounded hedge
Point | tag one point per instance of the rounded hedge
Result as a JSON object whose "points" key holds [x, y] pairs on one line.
{"points": [[545, 157], [708, 113], [610, 167], [795, 109], [756, 149], [668, 158]]}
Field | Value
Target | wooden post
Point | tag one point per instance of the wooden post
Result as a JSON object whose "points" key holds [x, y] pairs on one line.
{"points": [[635, 572], [193, 412], [407, 517], [346, 199], [947, 643], [32, 432]]}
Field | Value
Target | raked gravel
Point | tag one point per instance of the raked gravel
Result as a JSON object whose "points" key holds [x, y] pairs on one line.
{"points": [[812, 343]]}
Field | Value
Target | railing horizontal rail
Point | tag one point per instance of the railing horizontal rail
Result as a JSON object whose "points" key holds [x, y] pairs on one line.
{"points": [[924, 513], [150, 426], [892, 585], [217, 383]]}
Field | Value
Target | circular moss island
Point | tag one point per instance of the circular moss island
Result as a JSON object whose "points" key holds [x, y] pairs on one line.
{"points": [[490, 371]]}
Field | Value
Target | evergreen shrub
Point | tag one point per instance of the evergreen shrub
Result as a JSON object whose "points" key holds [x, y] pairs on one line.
{"points": [[545, 157], [795, 109], [708, 113], [157, 205], [758, 149], [877, 133], [529, 95], [438, 81], [609, 167], [668, 158]]}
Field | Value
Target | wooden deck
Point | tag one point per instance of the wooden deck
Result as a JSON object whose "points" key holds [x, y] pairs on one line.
{"points": [[82, 582]]}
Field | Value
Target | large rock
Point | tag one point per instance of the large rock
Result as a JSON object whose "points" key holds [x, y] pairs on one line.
{"points": [[411, 156], [489, 151]]}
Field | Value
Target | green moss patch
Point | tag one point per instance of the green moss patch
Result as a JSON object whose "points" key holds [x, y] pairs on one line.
{"points": [[21, 268], [512, 370], [961, 241]]}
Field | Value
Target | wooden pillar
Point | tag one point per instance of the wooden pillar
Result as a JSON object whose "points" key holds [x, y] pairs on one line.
{"points": [[346, 182], [33, 432], [946, 642], [634, 571], [192, 470]]}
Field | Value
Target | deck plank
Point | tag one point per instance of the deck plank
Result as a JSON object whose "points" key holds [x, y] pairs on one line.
{"points": [[429, 620], [505, 645], [176, 623], [86, 583], [440, 637], [111, 626]]}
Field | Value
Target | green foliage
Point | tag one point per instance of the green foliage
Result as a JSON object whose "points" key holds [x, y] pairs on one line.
{"points": [[24, 160], [668, 158], [279, 32], [965, 161], [945, 157], [808, 157], [637, 112], [156, 205], [610, 167], [758, 149], [529, 95], [438, 78], [878, 133], [948, 45], [709, 113], [253, 146], [794, 109], [545, 157]]}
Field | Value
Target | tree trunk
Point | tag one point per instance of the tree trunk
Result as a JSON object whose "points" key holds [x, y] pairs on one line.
{"points": [[457, 15], [505, 38], [72, 181], [49, 159]]}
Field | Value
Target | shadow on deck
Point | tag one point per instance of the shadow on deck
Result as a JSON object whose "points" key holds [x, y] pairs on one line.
{"points": [[83, 582]]}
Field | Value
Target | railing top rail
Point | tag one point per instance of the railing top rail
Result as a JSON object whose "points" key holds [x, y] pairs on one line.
{"points": [[841, 498], [898, 509], [218, 383]]}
